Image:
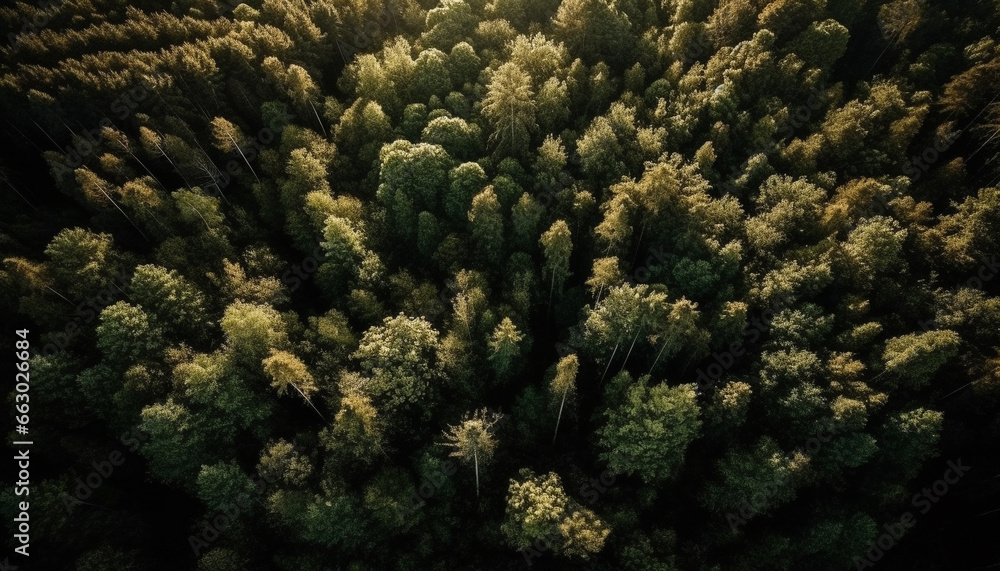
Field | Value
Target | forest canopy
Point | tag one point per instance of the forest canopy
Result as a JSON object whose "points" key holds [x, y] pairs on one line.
{"points": [[494, 284]]}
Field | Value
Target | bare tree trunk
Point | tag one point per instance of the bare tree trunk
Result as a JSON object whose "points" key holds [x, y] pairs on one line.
{"points": [[598, 300], [318, 120], [475, 455], [639, 329], [552, 288], [658, 356], [307, 400], [609, 361], [244, 157], [559, 418]]}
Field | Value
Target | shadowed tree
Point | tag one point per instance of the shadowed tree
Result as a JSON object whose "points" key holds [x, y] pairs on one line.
{"points": [[486, 222]]}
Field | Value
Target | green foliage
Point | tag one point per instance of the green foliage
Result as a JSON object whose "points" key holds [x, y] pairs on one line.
{"points": [[909, 438], [509, 106], [472, 440], [557, 245], [81, 262], [758, 476], [648, 433], [125, 335], [399, 357], [173, 301], [221, 486], [505, 350], [917, 356], [252, 330], [486, 223], [538, 508]]}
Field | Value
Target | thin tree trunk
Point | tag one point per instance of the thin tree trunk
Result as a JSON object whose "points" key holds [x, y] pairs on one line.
{"points": [[244, 157], [559, 418], [307, 400], [609, 361], [639, 245], [552, 289], [318, 120], [123, 213], [658, 356], [639, 329], [475, 455]]}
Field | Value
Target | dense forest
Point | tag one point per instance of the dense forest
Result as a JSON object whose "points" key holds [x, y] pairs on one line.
{"points": [[659, 285]]}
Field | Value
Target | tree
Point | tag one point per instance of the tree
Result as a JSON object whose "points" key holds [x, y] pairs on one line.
{"points": [[595, 30], [287, 370], [549, 165], [909, 438], [505, 349], [223, 485], [283, 462], [680, 331], [525, 219], [81, 262], [344, 251], [563, 384], [221, 392], [788, 212], [169, 298], [557, 246], [732, 22], [486, 222], [463, 64], [464, 182], [399, 359], [472, 440], [604, 274], [357, 432], [756, 479], [252, 330], [125, 335], [970, 234], [538, 509], [602, 153], [430, 75], [448, 24], [509, 107], [539, 56], [412, 178], [916, 357], [455, 135], [873, 249], [625, 311], [362, 130], [821, 44], [648, 433], [177, 447]]}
